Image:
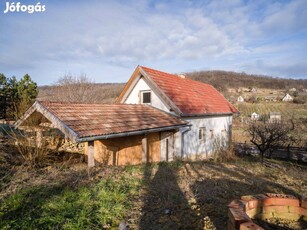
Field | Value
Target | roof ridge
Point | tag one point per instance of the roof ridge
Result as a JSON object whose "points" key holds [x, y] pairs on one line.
{"points": [[175, 75]]}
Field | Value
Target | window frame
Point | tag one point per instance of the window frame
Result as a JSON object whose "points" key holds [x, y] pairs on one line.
{"points": [[142, 96], [202, 134]]}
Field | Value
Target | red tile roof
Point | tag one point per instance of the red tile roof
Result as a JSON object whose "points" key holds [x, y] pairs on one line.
{"points": [[98, 119], [191, 97]]}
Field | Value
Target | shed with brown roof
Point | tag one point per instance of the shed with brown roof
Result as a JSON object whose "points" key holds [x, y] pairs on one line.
{"points": [[96, 124]]}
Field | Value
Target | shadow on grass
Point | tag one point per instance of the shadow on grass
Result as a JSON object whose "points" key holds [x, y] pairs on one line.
{"points": [[168, 204], [165, 205], [214, 194], [26, 206]]}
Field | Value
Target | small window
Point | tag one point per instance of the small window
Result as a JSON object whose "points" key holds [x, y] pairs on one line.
{"points": [[146, 97], [202, 133]]}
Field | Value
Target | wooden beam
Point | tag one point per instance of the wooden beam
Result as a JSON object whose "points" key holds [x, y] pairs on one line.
{"points": [[39, 138], [56, 122], [144, 149], [91, 154]]}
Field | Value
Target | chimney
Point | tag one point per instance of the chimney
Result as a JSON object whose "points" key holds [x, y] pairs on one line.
{"points": [[181, 75]]}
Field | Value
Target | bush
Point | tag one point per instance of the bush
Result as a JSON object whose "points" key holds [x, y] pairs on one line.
{"points": [[223, 153], [302, 99], [34, 154]]}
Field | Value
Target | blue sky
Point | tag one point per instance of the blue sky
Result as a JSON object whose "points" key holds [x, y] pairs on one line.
{"points": [[106, 40]]}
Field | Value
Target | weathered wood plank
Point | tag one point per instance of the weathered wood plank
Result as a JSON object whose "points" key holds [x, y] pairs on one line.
{"points": [[144, 149], [91, 154]]}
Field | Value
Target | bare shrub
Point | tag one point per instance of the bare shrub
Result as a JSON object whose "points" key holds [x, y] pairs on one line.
{"points": [[34, 153], [223, 151], [268, 135], [80, 89], [97, 93]]}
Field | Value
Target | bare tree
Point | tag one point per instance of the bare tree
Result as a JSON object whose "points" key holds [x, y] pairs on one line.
{"points": [[80, 89], [266, 135], [74, 89]]}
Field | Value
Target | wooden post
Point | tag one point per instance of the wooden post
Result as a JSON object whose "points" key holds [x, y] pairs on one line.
{"points": [[39, 137], [229, 135], [144, 149], [90, 154], [177, 144]]}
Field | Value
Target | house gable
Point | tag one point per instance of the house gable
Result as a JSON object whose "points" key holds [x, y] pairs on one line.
{"points": [[39, 107], [140, 87], [164, 102], [287, 98]]}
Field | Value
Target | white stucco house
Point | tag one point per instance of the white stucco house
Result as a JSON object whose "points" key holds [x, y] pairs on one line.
{"points": [[157, 117], [207, 112], [240, 99], [255, 116], [287, 98], [292, 90], [274, 116]]}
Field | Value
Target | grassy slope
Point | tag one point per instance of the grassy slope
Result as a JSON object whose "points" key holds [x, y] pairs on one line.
{"points": [[157, 196]]}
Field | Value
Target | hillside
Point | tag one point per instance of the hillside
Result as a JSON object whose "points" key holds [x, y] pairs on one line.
{"points": [[223, 80]]}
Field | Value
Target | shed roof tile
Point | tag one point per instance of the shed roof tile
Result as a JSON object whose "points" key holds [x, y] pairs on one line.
{"points": [[88, 120]]}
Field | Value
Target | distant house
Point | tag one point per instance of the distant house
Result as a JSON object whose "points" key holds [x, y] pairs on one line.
{"points": [[240, 99], [255, 116], [275, 116], [292, 90], [243, 89], [157, 117], [287, 97], [253, 90], [270, 98]]}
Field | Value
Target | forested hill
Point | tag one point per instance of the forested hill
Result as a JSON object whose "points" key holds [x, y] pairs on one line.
{"points": [[225, 79]]}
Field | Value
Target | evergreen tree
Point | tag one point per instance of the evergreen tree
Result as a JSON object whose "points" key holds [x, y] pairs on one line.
{"points": [[26, 94], [12, 98], [3, 95], [16, 96]]}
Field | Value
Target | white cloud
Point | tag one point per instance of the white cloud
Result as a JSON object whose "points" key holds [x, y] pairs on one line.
{"points": [[100, 34]]}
